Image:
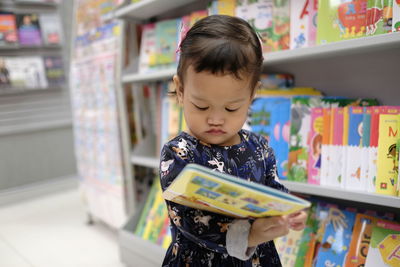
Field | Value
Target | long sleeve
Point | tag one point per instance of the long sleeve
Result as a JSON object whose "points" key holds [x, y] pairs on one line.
{"points": [[206, 229]]}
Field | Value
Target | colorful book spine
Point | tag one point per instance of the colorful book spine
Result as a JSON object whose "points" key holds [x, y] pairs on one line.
{"points": [[284, 135], [314, 153], [147, 206], [365, 149], [222, 7], [335, 152], [379, 16], [354, 150], [281, 25], [384, 246], [299, 23], [387, 169], [398, 159], [147, 56]]}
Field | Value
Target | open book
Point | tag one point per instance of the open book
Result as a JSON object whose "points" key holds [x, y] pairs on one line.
{"points": [[202, 188]]}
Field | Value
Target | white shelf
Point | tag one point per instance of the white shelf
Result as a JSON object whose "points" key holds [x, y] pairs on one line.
{"points": [[383, 42], [145, 161], [339, 193], [380, 42], [146, 9]]}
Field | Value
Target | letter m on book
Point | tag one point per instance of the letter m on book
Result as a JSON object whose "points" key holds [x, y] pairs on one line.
{"points": [[392, 132]]}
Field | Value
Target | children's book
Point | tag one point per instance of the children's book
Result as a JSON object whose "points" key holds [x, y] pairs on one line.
{"points": [[288, 247], [50, 26], [8, 29], [396, 16], [325, 147], [314, 153], [354, 150], [222, 7], [299, 23], [195, 16], [146, 208], [312, 22], [277, 81], [147, 54], [387, 166], [27, 72], [167, 36], [337, 237], [29, 29], [335, 151], [384, 246], [398, 159], [202, 188], [339, 20], [281, 25], [54, 70], [379, 16]]}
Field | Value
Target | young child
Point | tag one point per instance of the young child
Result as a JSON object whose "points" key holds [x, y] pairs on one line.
{"points": [[218, 73]]}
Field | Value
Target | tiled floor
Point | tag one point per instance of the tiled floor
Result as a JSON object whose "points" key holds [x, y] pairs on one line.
{"points": [[51, 231]]}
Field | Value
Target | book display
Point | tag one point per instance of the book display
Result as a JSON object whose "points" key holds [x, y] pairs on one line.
{"points": [[31, 33], [333, 134]]}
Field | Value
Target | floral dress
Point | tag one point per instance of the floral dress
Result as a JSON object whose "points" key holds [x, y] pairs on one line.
{"points": [[199, 237]]}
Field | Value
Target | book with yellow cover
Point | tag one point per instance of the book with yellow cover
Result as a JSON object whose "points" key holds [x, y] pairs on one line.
{"points": [[202, 188]]}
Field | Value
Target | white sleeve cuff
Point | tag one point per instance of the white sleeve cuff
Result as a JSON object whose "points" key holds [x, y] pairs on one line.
{"points": [[237, 240]]}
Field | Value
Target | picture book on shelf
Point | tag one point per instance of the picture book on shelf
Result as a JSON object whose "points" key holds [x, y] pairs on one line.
{"points": [[26, 72], [396, 16], [8, 29], [29, 29], [379, 16], [50, 26], [314, 153], [4, 74], [299, 23], [203, 188], [384, 246], [54, 70], [312, 22]]}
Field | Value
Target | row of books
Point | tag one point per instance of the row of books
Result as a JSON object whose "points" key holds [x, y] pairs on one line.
{"points": [[30, 29], [31, 72], [342, 236], [281, 25], [331, 141]]}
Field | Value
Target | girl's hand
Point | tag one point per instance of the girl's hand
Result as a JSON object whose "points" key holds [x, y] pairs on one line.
{"points": [[267, 229], [297, 220]]}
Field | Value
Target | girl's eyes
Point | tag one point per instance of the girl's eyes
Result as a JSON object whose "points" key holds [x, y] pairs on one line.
{"points": [[205, 108], [200, 108], [231, 110]]}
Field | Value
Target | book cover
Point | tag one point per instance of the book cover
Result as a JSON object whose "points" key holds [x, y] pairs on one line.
{"points": [[259, 15], [288, 246], [379, 16], [167, 36], [281, 25], [155, 218], [314, 153], [335, 151], [340, 20], [222, 7], [337, 237], [353, 178], [384, 246], [396, 16], [8, 29], [54, 70], [146, 208], [398, 159], [277, 81], [27, 72], [283, 138], [202, 188], [28, 29], [50, 26], [325, 147], [147, 52], [299, 23], [312, 22], [387, 166]]}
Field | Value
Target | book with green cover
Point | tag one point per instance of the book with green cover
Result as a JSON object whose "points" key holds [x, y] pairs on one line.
{"points": [[202, 188], [147, 206]]}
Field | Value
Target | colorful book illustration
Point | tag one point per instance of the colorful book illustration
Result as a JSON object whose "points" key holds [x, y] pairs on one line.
{"points": [[147, 56], [340, 20], [167, 36], [396, 16], [281, 25], [50, 26], [325, 148], [384, 246], [312, 22], [299, 23], [202, 188], [387, 166], [222, 7], [277, 81], [398, 159], [29, 29], [337, 237], [8, 29], [288, 247], [353, 178], [314, 153], [379, 16]]}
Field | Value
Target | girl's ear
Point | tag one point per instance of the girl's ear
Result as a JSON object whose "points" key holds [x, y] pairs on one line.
{"points": [[178, 89]]}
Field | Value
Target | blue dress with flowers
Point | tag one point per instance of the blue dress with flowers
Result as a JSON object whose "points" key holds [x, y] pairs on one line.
{"points": [[199, 237]]}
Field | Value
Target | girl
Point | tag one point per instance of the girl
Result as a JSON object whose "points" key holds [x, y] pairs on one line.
{"points": [[218, 73]]}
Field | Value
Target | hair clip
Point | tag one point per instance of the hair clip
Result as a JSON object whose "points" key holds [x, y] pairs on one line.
{"points": [[182, 34]]}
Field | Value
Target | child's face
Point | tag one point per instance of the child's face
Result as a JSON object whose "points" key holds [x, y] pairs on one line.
{"points": [[215, 107]]}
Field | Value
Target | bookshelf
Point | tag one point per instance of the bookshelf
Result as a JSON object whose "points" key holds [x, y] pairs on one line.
{"points": [[363, 67]]}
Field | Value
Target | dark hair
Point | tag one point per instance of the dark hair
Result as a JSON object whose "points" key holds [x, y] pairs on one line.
{"points": [[223, 45]]}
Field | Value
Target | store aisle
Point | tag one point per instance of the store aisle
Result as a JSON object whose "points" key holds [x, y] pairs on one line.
{"points": [[51, 231]]}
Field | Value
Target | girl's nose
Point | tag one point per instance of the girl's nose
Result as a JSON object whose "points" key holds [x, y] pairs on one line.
{"points": [[215, 119]]}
